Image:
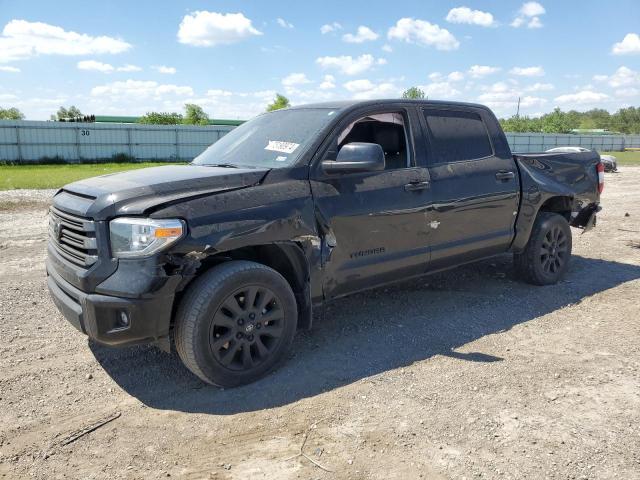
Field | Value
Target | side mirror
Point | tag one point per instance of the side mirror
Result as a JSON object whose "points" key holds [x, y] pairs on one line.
{"points": [[356, 157]]}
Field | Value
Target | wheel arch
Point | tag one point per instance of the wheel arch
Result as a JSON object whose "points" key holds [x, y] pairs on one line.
{"points": [[286, 258], [560, 204], [530, 209]]}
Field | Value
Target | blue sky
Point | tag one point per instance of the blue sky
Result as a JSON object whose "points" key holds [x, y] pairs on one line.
{"points": [[231, 57]]}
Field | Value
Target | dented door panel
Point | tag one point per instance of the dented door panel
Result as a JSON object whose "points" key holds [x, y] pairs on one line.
{"points": [[378, 229]]}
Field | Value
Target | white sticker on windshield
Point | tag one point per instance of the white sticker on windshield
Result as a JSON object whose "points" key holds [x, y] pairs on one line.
{"points": [[281, 158], [284, 147]]}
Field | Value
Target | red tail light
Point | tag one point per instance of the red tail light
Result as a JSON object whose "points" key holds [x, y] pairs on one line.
{"points": [[600, 170]]}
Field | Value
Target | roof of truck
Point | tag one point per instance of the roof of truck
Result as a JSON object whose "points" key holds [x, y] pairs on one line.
{"points": [[344, 104]]}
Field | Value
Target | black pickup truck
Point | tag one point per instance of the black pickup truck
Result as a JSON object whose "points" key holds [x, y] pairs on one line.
{"points": [[228, 256]]}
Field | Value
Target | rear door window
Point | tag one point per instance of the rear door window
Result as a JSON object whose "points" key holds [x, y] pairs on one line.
{"points": [[457, 136]]}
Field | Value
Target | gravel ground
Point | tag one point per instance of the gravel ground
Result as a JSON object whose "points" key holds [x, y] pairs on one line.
{"points": [[465, 374], [20, 199]]}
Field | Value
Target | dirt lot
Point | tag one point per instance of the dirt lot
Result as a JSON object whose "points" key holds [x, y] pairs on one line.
{"points": [[465, 374]]}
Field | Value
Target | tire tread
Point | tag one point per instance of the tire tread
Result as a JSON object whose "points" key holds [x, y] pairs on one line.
{"points": [[195, 301], [524, 261]]}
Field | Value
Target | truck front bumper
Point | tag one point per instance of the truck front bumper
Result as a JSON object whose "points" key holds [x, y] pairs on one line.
{"points": [[111, 320]]}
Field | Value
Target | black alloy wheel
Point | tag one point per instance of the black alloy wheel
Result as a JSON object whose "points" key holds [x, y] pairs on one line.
{"points": [[555, 250], [247, 328]]}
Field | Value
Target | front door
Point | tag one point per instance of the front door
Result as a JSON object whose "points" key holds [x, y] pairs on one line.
{"points": [[375, 222]]}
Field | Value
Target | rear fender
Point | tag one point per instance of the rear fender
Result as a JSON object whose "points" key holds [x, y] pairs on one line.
{"points": [[572, 177]]}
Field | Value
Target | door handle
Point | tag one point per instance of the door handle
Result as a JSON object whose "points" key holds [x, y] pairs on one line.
{"points": [[414, 186], [505, 175]]}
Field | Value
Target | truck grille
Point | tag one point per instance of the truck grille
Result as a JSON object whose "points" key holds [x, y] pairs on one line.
{"points": [[74, 238]]}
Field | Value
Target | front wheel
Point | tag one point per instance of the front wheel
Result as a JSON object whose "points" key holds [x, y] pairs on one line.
{"points": [[545, 259], [235, 323]]}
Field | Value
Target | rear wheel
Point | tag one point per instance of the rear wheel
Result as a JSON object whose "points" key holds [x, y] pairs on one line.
{"points": [[236, 323], [545, 259]]}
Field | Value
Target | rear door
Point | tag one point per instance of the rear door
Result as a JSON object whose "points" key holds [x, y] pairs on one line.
{"points": [[474, 183]]}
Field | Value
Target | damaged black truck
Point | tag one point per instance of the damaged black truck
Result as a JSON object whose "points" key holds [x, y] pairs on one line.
{"points": [[227, 257]]}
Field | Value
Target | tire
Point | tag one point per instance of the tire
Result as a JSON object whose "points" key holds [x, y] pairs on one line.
{"points": [[545, 259], [226, 338]]}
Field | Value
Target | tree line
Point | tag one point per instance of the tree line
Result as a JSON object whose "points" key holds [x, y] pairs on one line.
{"points": [[625, 120]]}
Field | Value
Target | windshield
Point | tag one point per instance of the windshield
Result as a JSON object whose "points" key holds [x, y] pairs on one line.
{"points": [[272, 140]]}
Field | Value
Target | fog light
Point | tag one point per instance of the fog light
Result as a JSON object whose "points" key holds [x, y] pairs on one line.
{"points": [[123, 321]]}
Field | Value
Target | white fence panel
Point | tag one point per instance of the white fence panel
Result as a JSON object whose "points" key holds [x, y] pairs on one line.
{"points": [[28, 141]]}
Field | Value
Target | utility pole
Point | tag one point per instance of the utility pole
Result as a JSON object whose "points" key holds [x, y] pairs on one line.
{"points": [[518, 111]]}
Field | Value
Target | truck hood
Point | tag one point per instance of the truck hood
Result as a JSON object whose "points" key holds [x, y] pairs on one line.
{"points": [[137, 191]]}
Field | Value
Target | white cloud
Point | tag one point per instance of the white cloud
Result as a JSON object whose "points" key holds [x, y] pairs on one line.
{"points": [[532, 9], [295, 79], [539, 87], [129, 68], [350, 65], [93, 65], [283, 23], [455, 76], [629, 45], [479, 71], [9, 69], [219, 93], [503, 97], [328, 82], [527, 71], [330, 27], [529, 15], [624, 77], [208, 29], [140, 89], [387, 48], [364, 89], [535, 22], [423, 33], [627, 92], [439, 90], [21, 39], [471, 17], [364, 34], [581, 98], [164, 69], [230, 104]]}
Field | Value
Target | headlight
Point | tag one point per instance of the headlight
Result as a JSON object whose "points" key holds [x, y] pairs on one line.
{"points": [[139, 237]]}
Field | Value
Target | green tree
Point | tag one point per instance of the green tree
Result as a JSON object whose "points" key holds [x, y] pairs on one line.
{"points": [[195, 115], [71, 113], [521, 124], [161, 118], [413, 93], [11, 114], [279, 102], [558, 122], [625, 120]]}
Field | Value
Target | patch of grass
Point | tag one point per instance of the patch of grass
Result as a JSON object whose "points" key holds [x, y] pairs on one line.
{"points": [[626, 158], [56, 176]]}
